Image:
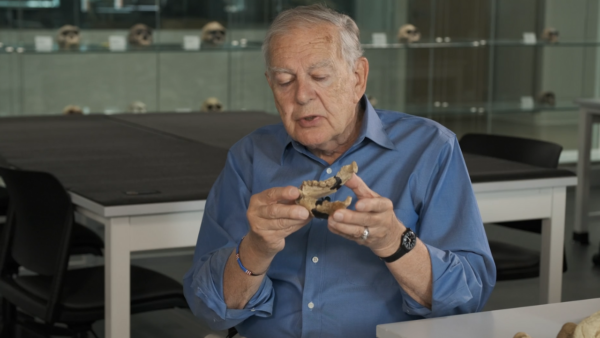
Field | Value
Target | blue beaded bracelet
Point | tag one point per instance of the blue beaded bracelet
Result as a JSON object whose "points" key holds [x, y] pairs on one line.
{"points": [[237, 256]]}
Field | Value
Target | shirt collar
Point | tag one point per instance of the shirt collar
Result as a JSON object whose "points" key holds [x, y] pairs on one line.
{"points": [[372, 128]]}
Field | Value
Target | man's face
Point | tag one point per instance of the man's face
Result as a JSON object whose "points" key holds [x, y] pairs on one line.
{"points": [[315, 92]]}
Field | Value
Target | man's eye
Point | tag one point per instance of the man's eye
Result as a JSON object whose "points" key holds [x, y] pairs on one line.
{"points": [[320, 78], [284, 84]]}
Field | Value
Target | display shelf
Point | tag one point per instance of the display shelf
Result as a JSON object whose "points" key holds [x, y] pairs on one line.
{"points": [[156, 48], [562, 43], [236, 45], [484, 108]]}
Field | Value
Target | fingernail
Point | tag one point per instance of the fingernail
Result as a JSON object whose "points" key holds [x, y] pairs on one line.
{"points": [[303, 214], [338, 216], [359, 206]]}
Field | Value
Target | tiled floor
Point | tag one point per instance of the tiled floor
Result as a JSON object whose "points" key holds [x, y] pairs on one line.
{"points": [[581, 281]]}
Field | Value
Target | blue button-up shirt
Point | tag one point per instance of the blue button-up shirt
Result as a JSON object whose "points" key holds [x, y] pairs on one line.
{"points": [[323, 285]]}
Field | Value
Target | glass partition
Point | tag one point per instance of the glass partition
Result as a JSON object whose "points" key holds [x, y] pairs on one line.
{"points": [[498, 66]]}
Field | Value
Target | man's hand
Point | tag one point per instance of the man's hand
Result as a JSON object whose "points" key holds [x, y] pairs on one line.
{"points": [[273, 216], [372, 211]]}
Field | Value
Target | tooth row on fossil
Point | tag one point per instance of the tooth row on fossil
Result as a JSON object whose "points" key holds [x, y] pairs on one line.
{"points": [[313, 193]]}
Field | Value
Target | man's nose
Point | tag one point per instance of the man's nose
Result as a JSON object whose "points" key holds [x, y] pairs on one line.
{"points": [[304, 91]]}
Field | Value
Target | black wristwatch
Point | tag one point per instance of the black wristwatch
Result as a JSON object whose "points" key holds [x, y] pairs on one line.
{"points": [[408, 240]]}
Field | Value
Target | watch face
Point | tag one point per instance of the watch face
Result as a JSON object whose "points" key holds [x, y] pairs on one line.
{"points": [[409, 240]]}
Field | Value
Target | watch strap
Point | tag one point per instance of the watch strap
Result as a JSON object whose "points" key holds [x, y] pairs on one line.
{"points": [[401, 249]]}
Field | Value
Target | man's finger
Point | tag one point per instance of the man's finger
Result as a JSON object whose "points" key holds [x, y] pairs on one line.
{"points": [[360, 188], [351, 231], [283, 211], [360, 219], [378, 204], [279, 194]]}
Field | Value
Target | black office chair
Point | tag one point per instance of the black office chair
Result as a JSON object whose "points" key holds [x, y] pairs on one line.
{"points": [[596, 258], [513, 262], [37, 236], [3, 203], [84, 240]]}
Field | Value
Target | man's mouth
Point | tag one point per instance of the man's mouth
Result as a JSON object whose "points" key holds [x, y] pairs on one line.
{"points": [[309, 121]]}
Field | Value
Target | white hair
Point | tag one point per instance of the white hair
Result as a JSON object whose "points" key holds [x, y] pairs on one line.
{"points": [[307, 16]]}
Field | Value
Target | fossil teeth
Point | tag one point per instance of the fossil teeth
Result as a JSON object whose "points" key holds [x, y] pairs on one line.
{"points": [[311, 191]]}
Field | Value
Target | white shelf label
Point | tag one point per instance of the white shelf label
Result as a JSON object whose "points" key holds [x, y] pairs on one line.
{"points": [[43, 43], [529, 38], [117, 43], [527, 103], [379, 39], [191, 42]]}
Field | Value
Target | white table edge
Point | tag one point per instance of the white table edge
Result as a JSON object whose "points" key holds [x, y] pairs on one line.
{"points": [[390, 329], [136, 209], [525, 184]]}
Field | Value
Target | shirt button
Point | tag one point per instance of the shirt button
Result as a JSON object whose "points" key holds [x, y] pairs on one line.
{"points": [[329, 170], [315, 259], [253, 309], [311, 305]]}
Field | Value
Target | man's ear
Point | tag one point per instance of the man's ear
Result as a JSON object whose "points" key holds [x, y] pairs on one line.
{"points": [[361, 73]]}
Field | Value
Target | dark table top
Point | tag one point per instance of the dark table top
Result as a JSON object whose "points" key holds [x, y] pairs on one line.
{"points": [[219, 130], [152, 158], [489, 169], [106, 160]]}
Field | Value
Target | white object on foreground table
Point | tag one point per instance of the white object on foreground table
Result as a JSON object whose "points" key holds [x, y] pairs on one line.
{"points": [[538, 321]]}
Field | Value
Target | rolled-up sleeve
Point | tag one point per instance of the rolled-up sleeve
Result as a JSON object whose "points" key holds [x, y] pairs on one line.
{"points": [[223, 225], [450, 225]]}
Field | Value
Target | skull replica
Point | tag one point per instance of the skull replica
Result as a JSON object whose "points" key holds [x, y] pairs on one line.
{"points": [[68, 36], [373, 100], [213, 33], [589, 327], [547, 98], [408, 33], [212, 105], [72, 110], [140, 35], [312, 193], [550, 35], [137, 107]]}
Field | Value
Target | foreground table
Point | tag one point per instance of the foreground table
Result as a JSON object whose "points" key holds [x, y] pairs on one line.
{"points": [[537, 321], [146, 178]]}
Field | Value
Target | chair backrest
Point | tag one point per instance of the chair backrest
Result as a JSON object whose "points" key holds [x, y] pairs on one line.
{"points": [[3, 201], [529, 151], [41, 222]]}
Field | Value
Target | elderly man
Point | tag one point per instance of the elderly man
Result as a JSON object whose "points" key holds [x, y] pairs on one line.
{"points": [[411, 245]]}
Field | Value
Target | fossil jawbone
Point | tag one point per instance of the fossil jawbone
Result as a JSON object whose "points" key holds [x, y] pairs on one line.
{"points": [[312, 193]]}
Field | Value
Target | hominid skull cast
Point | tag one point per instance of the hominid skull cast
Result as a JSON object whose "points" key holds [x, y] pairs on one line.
{"points": [[313, 193], [213, 33], [212, 105], [547, 98], [72, 110], [68, 36], [408, 33], [550, 35], [140, 35], [137, 107]]}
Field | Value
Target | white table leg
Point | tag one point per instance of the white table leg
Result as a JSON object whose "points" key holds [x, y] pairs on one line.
{"points": [[580, 228], [117, 286], [553, 233]]}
